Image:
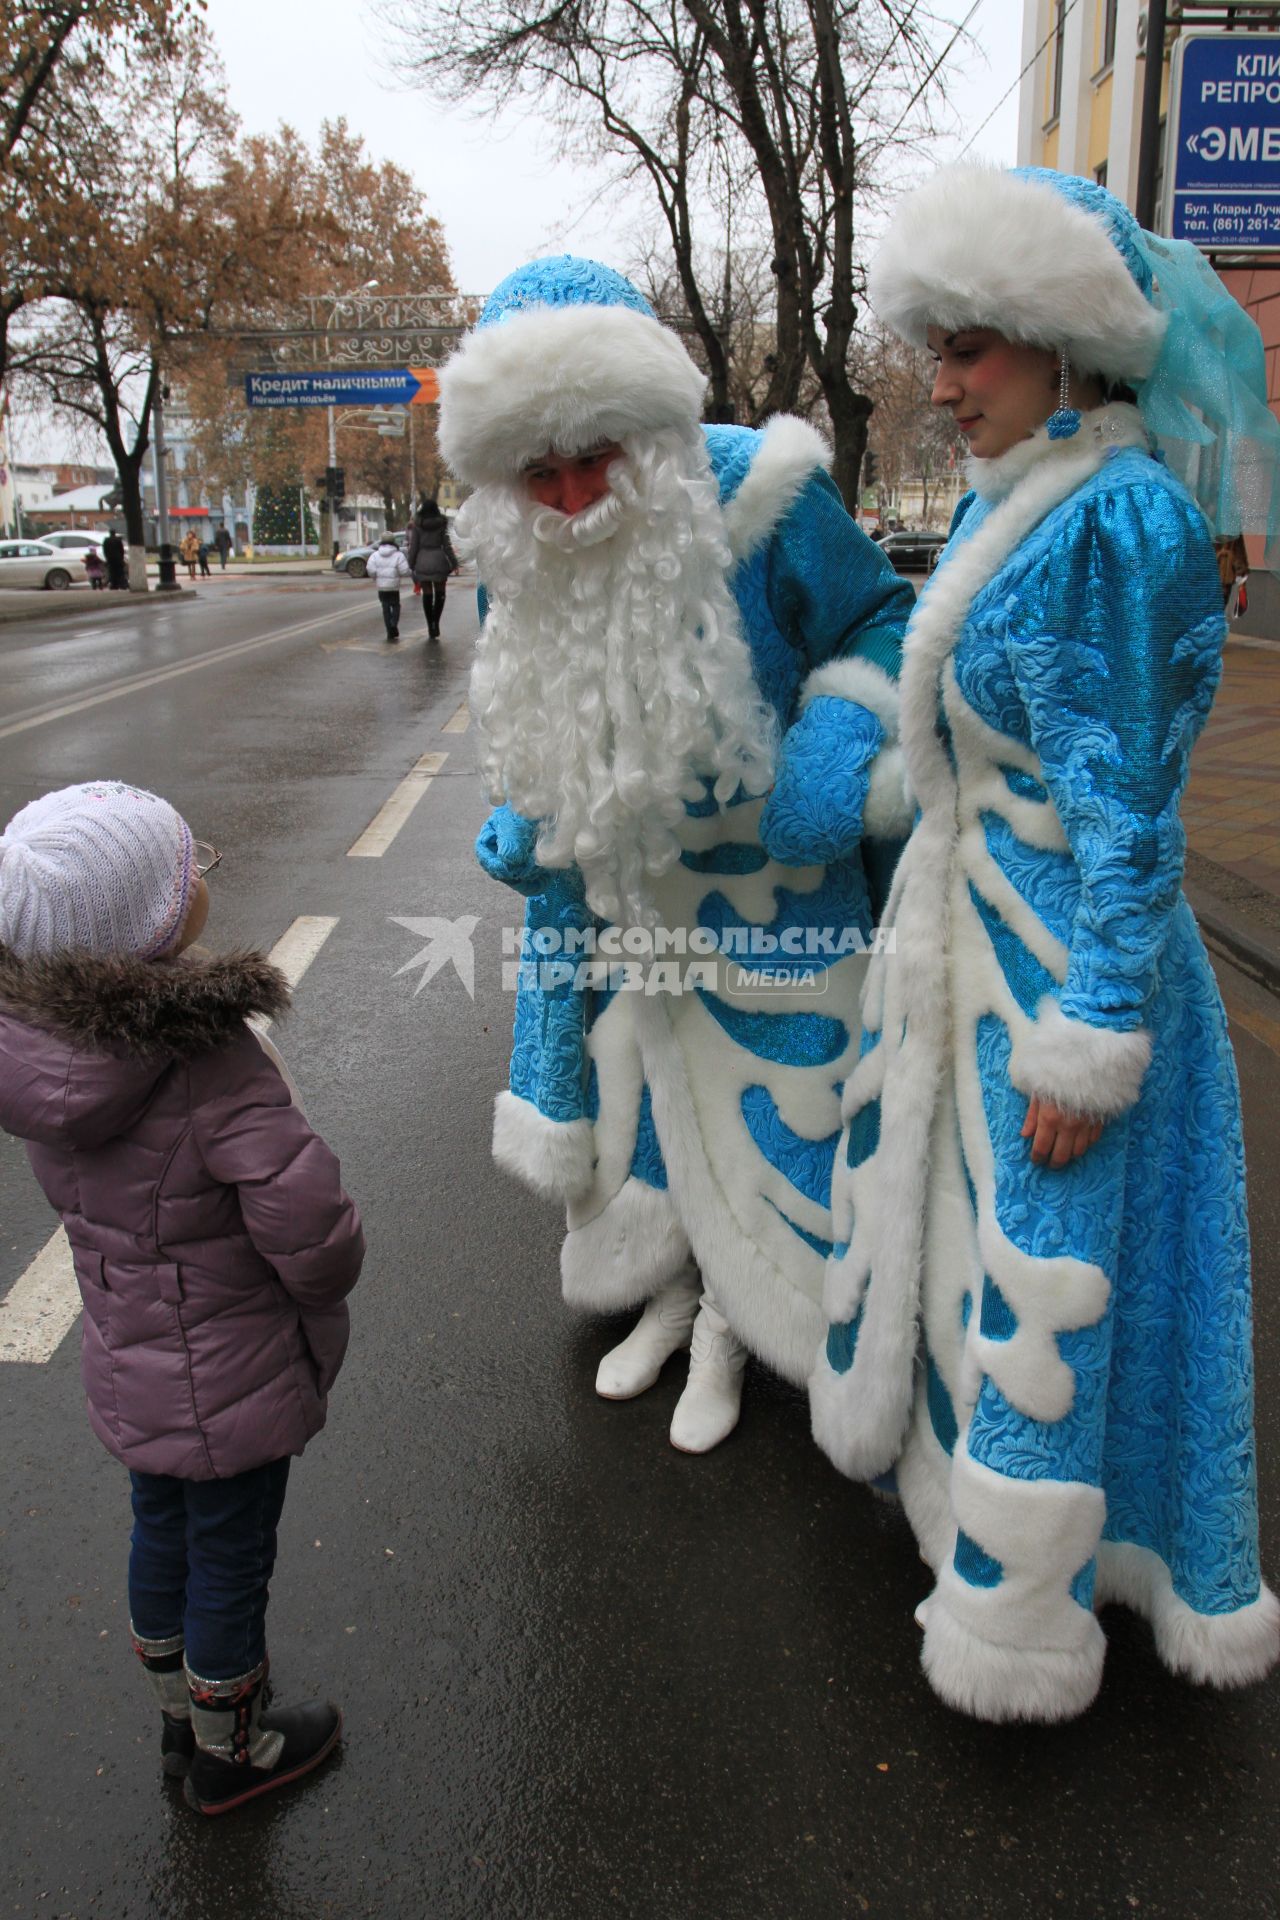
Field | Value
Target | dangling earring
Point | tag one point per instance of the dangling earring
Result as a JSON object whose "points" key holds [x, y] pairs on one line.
{"points": [[1066, 420]]}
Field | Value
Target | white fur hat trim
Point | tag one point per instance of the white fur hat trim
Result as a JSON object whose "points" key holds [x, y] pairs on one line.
{"points": [[566, 378], [977, 246]]}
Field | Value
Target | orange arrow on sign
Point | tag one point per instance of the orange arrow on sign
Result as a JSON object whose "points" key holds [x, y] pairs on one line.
{"points": [[428, 386]]}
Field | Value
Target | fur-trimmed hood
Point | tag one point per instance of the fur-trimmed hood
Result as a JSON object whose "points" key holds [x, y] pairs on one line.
{"points": [[117, 1004]]}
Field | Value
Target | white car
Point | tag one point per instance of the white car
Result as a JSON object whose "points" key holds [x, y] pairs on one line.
{"points": [[35, 563], [71, 542]]}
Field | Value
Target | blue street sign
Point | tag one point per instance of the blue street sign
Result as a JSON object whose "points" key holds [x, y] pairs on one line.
{"points": [[342, 387], [1222, 171]]}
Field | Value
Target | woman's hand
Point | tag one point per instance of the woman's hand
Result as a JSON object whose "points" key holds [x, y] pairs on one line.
{"points": [[1058, 1137]]}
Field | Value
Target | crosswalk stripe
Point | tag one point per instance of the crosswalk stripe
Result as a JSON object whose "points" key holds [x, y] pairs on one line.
{"points": [[391, 816], [40, 1310], [460, 721]]}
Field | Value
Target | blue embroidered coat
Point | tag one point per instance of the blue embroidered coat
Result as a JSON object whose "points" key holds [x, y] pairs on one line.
{"points": [[693, 1110], [1057, 1362]]}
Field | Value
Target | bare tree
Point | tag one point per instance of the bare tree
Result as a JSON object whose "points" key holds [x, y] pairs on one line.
{"points": [[787, 105], [914, 440]]}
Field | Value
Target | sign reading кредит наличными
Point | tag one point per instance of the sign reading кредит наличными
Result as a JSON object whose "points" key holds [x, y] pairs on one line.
{"points": [[343, 387], [1222, 168]]}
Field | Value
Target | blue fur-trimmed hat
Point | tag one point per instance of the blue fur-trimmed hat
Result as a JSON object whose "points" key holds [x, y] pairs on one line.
{"points": [[1045, 258], [566, 355]]}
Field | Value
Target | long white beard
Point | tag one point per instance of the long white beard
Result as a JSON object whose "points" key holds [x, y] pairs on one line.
{"points": [[611, 677]]}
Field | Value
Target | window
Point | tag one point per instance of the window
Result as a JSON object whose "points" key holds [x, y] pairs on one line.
{"points": [[1109, 9], [1059, 37]]}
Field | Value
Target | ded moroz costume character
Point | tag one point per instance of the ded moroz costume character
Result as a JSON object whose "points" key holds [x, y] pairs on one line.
{"points": [[1058, 1362], [687, 699]]}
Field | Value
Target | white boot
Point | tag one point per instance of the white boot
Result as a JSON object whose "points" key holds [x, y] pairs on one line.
{"points": [[707, 1411], [662, 1329]]}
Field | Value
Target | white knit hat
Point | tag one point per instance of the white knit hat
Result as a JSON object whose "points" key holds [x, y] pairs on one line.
{"points": [[101, 867]]}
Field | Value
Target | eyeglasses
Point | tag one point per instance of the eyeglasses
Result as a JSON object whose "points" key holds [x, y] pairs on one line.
{"points": [[205, 857]]}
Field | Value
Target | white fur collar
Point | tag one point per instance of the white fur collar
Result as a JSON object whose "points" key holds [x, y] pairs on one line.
{"points": [[1116, 425]]}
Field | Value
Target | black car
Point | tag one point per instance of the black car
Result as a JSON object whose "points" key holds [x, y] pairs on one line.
{"points": [[913, 552]]}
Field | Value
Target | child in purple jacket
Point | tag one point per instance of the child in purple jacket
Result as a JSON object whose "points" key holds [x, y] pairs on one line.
{"points": [[213, 1244]]}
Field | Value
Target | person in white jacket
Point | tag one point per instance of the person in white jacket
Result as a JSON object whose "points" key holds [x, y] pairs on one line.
{"points": [[387, 567]]}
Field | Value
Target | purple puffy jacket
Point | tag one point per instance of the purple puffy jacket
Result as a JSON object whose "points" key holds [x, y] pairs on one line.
{"points": [[213, 1242]]}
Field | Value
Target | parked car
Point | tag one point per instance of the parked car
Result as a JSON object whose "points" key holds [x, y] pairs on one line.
{"points": [[355, 561], [913, 552], [34, 563], [73, 542]]}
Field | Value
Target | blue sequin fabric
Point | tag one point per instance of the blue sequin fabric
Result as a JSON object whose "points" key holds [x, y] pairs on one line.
{"points": [[1100, 1404]]}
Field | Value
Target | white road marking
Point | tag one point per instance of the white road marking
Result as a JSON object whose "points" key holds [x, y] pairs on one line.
{"points": [[296, 948], [460, 721], [41, 1308], [37, 1314], [136, 682], [389, 819]]}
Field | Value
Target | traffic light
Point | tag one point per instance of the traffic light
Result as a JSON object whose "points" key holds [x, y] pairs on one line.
{"points": [[335, 483], [870, 468]]}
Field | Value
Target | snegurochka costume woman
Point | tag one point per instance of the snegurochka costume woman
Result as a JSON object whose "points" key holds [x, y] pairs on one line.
{"points": [[1056, 1358]]}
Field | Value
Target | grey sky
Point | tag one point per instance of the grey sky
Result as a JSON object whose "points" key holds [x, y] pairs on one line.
{"points": [[500, 195]]}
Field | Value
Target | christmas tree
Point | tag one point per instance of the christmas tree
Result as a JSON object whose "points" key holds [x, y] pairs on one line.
{"points": [[282, 518]]}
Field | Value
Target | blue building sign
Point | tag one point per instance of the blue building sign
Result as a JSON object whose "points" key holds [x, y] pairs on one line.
{"points": [[343, 387], [1222, 172]]}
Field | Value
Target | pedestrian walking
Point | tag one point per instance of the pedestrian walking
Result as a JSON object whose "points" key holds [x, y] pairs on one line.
{"points": [[431, 559], [213, 1245], [190, 551], [206, 572], [223, 542], [387, 567], [1039, 1296], [113, 552], [96, 569]]}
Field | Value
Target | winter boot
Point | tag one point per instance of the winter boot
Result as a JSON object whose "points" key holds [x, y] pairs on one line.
{"points": [[162, 1662], [707, 1411], [662, 1329], [244, 1747]]}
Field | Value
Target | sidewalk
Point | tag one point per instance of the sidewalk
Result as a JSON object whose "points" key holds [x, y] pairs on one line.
{"points": [[1231, 812]]}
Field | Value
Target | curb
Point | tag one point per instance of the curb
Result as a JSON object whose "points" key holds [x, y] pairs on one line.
{"points": [[65, 607], [1249, 946]]}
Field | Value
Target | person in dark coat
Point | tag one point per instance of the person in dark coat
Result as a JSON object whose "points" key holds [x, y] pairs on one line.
{"points": [[212, 1240], [223, 542], [431, 559], [113, 552]]}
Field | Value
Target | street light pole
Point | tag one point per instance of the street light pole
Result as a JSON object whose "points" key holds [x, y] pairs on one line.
{"points": [[1149, 139], [331, 504], [161, 453]]}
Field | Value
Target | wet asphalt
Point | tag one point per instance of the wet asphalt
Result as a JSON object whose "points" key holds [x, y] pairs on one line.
{"points": [[582, 1675]]}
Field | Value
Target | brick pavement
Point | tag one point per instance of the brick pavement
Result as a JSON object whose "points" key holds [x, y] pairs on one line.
{"points": [[1231, 809]]}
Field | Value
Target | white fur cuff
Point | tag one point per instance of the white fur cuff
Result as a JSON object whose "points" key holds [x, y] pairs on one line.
{"points": [[888, 813], [859, 680], [1213, 1649], [554, 1157], [1083, 1069]]}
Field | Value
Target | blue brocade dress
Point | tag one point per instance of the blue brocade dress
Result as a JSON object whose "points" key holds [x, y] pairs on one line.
{"points": [[1057, 1363]]}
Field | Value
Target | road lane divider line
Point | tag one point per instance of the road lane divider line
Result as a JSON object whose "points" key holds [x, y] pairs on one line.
{"points": [[460, 721], [391, 816], [41, 1307], [138, 682], [294, 951], [40, 1310]]}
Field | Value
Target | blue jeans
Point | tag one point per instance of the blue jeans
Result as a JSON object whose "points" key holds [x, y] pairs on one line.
{"points": [[201, 1563]]}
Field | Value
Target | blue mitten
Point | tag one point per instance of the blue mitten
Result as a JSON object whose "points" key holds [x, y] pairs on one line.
{"points": [[505, 851], [814, 814]]}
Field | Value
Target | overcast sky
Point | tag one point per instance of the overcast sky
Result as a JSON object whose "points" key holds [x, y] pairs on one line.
{"points": [[500, 197]]}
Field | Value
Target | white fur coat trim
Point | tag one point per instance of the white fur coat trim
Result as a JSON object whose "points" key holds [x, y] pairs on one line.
{"points": [[1083, 1069], [634, 1246], [977, 246], [1213, 1649], [554, 1157], [790, 452], [860, 1416], [567, 378]]}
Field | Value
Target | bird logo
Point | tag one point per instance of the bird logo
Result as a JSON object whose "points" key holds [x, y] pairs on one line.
{"points": [[448, 943]]}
